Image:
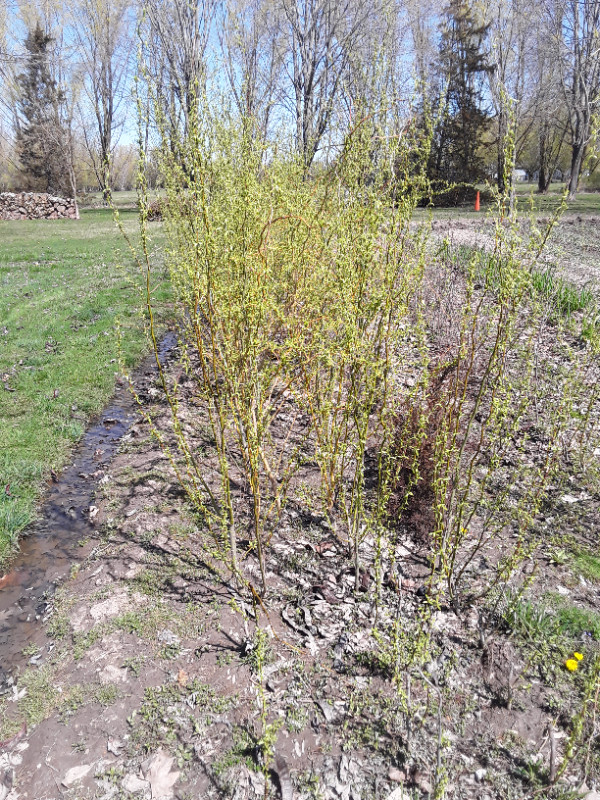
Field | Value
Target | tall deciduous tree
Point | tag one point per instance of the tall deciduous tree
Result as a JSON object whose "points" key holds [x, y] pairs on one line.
{"points": [[550, 118], [178, 36], [251, 42], [321, 37], [576, 30], [103, 35], [43, 140], [422, 18], [511, 35]]}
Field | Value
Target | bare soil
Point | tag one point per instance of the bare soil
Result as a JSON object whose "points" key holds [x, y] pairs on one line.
{"points": [[145, 680], [573, 248]]}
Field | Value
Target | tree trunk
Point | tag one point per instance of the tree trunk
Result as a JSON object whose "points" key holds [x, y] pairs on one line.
{"points": [[542, 181], [501, 165], [576, 161], [543, 177]]}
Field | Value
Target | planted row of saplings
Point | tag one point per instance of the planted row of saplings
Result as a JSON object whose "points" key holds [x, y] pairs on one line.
{"points": [[304, 305]]}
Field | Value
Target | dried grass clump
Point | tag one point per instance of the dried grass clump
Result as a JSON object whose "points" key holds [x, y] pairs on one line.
{"points": [[417, 430], [156, 210]]}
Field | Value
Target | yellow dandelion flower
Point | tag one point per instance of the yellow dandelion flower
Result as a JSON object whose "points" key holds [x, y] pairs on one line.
{"points": [[578, 656], [571, 664]]}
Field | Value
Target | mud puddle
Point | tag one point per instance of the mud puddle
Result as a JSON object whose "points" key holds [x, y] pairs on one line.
{"points": [[50, 546]]}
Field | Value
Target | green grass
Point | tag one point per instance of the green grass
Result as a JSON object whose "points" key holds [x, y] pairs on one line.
{"points": [[565, 298], [584, 204], [121, 200], [64, 284], [588, 565], [553, 620], [573, 620]]}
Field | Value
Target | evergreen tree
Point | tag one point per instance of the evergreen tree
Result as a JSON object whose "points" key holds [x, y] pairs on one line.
{"points": [[42, 140], [455, 155]]}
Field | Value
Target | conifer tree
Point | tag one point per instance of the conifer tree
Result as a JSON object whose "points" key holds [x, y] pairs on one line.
{"points": [[462, 65], [42, 140]]}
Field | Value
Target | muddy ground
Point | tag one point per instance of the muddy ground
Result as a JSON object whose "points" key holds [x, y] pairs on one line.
{"points": [[146, 677]]}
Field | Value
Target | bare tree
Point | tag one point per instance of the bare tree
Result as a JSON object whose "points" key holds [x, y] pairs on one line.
{"points": [[510, 34], [7, 160], [103, 35], [5, 60], [526, 90], [549, 111], [321, 37], [47, 13], [575, 25], [375, 73], [178, 37], [422, 19], [252, 55]]}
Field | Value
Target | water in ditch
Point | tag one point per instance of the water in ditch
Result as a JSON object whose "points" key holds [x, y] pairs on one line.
{"points": [[50, 545]]}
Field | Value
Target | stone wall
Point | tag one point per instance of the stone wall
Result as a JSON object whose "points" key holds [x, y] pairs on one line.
{"points": [[35, 205]]}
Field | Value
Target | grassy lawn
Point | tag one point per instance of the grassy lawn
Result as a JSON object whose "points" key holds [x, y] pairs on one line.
{"points": [[585, 203], [63, 286]]}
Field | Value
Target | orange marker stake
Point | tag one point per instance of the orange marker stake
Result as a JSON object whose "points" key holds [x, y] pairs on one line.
{"points": [[477, 201]]}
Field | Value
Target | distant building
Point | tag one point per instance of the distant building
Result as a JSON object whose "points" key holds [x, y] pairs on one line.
{"points": [[518, 175]]}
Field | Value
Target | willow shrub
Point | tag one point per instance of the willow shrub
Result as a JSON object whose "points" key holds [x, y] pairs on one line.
{"points": [[293, 298], [304, 304], [511, 399]]}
